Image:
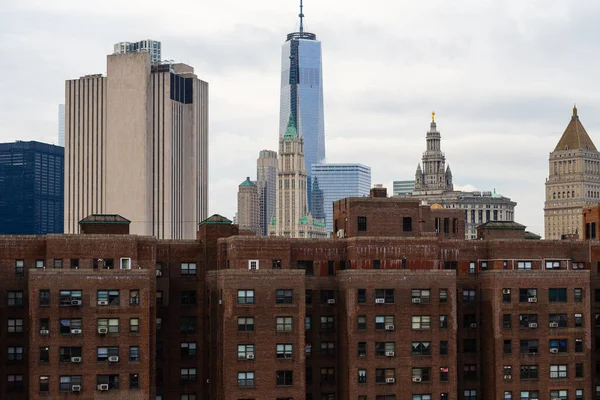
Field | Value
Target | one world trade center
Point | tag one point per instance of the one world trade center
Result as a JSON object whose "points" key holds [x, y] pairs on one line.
{"points": [[302, 94]]}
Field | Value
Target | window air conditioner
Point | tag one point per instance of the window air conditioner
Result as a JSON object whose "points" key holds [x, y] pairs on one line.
{"points": [[390, 380], [75, 331], [533, 324], [76, 388], [532, 299], [44, 332], [553, 324], [389, 354], [102, 331], [389, 327], [113, 359], [553, 350], [158, 273], [75, 302], [102, 302], [250, 356], [473, 325], [330, 301], [416, 300], [379, 301], [103, 386], [75, 359], [417, 379]]}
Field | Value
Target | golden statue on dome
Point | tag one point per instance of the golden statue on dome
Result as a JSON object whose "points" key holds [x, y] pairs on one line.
{"points": [[433, 116]]}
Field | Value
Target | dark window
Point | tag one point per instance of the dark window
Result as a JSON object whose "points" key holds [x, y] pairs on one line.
{"points": [[44, 383], [327, 375], [15, 353], [284, 378], [528, 295], [134, 381], [528, 321], [376, 264], [188, 297], [558, 320], [443, 374], [330, 268], [529, 346], [362, 349], [469, 321], [44, 354], [276, 264], [470, 372], [419, 349], [386, 294], [361, 322], [557, 295], [558, 345], [75, 263], [308, 296], [507, 346], [578, 345], [443, 347], [188, 349], [188, 324], [529, 372], [327, 323], [362, 224], [443, 295], [327, 296], [407, 224], [578, 370], [361, 296], [506, 297], [58, 263], [506, 321], [446, 225], [469, 346], [44, 297], [284, 296]]}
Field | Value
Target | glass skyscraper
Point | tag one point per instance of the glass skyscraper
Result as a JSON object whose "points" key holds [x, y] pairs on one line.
{"points": [[302, 94], [332, 182], [31, 188]]}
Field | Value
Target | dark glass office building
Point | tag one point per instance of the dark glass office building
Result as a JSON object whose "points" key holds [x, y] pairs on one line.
{"points": [[31, 188]]}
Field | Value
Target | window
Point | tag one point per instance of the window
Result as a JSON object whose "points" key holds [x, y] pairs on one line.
{"points": [[385, 397], [443, 347], [558, 345], [245, 324], [529, 372], [327, 296], [528, 320], [578, 345], [66, 383], [134, 297], [66, 354], [406, 224], [443, 295], [112, 324], [361, 323], [15, 299], [420, 295], [362, 224], [386, 294], [134, 325], [557, 295], [284, 296], [384, 322], [245, 351], [470, 394], [507, 372], [19, 267], [182, 397], [577, 294], [158, 324], [444, 374], [384, 349], [528, 295], [106, 263], [327, 348], [469, 346], [44, 326], [58, 263], [284, 324], [579, 394], [15, 325], [188, 269], [44, 383], [529, 346], [308, 323], [578, 370], [125, 263], [468, 295], [530, 395], [421, 322], [382, 375], [44, 354], [578, 320], [74, 263], [134, 353], [506, 297], [188, 349], [559, 394], [507, 347], [15, 353], [558, 371], [361, 297], [308, 296], [188, 324], [44, 297], [276, 264], [524, 265], [188, 297], [443, 322], [330, 268], [507, 321], [70, 297], [376, 264], [107, 297], [327, 375], [187, 374], [285, 350], [362, 349], [134, 381], [470, 372], [284, 378], [472, 268], [558, 320], [469, 321], [421, 348], [362, 376], [327, 323], [159, 298]]}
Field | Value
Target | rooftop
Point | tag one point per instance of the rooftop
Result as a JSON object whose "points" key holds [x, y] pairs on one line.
{"points": [[575, 136]]}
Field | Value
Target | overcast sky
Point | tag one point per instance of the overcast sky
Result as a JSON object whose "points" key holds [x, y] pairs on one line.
{"points": [[501, 75]]}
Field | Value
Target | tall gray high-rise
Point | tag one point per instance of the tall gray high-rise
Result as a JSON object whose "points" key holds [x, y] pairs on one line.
{"points": [[302, 93], [143, 46], [136, 144], [266, 174], [61, 125]]}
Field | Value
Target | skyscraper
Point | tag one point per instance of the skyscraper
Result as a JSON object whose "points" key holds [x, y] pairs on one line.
{"points": [[137, 145], [434, 177], [403, 187], [61, 125], [143, 46], [573, 181], [248, 207], [332, 182], [31, 188], [266, 180], [302, 93]]}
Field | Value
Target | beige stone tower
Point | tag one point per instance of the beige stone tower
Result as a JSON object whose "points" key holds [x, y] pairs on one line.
{"points": [[435, 177], [248, 207], [573, 182], [291, 215], [136, 144]]}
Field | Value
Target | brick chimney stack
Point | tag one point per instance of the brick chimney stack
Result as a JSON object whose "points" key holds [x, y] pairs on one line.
{"points": [[378, 191]]}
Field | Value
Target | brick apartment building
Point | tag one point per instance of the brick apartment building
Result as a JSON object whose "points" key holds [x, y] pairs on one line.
{"points": [[395, 307]]}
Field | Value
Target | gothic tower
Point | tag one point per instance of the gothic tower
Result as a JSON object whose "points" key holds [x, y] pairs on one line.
{"points": [[434, 176], [573, 182]]}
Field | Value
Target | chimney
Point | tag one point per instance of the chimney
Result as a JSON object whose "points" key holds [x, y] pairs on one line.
{"points": [[378, 191]]}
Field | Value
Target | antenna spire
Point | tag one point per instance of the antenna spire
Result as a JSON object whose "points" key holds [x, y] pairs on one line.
{"points": [[301, 15]]}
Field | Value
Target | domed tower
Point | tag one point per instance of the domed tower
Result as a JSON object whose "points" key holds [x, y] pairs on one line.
{"points": [[434, 177]]}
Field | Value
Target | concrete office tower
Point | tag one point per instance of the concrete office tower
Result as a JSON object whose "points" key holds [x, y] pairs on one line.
{"points": [[573, 182], [434, 176], [136, 144], [61, 125], [248, 207], [332, 182], [266, 174], [403, 187], [292, 218], [143, 46], [31, 188], [302, 93]]}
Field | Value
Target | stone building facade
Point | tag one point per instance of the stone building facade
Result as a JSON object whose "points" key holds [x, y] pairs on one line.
{"points": [[248, 207]]}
